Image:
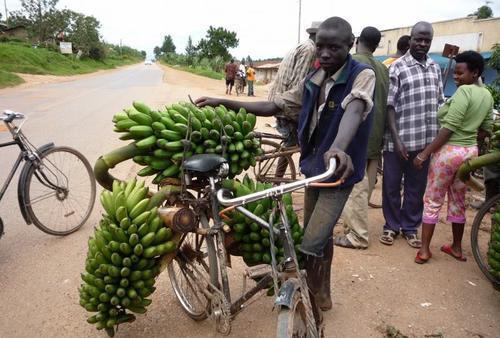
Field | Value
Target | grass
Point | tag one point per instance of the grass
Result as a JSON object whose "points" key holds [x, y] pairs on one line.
{"points": [[8, 79], [198, 71], [22, 58]]}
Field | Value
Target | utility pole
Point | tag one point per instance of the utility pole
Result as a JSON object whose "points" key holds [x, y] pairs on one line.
{"points": [[6, 11], [300, 13]]}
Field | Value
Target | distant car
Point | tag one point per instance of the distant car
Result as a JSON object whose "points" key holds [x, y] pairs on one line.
{"points": [[148, 62]]}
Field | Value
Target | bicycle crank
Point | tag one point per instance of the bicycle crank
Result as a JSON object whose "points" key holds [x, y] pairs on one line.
{"points": [[221, 313]]}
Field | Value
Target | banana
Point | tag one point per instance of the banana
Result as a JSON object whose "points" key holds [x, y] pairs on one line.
{"points": [[139, 208]]}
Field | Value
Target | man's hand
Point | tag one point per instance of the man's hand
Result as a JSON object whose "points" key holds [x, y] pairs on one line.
{"points": [[207, 101], [400, 149], [344, 163]]}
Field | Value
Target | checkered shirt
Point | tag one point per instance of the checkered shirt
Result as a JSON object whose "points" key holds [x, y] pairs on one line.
{"points": [[415, 92]]}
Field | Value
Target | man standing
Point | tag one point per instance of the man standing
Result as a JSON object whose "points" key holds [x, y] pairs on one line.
{"points": [[355, 213], [334, 105], [293, 69], [415, 93], [230, 70], [250, 79]]}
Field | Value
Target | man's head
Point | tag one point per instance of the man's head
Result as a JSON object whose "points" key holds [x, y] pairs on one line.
{"points": [[369, 38], [403, 44], [469, 67], [420, 40], [313, 30], [333, 42], [232, 60], [243, 61]]}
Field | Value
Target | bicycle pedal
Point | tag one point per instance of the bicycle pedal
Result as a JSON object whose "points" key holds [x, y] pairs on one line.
{"points": [[258, 271]]}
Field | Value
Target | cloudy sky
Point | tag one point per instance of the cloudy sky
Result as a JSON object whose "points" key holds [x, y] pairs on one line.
{"points": [[264, 28]]}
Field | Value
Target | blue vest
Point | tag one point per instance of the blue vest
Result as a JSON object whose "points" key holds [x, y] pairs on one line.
{"points": [[313, 148]]}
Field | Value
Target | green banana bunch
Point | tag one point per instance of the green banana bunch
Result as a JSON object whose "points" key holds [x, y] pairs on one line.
{"points": [[123, 256], [253, 241], [494, 246], [181, 130]]}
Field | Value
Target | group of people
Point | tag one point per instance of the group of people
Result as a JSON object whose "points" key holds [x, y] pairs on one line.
{"points": [[358, 110], [241, 73]]}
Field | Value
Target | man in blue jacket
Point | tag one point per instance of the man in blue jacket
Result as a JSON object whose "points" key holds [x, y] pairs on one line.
{"points": [[334, 104]]}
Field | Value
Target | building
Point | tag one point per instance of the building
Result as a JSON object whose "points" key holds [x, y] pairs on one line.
{"points": [[468, 33], [17, 32], [266, 72]]}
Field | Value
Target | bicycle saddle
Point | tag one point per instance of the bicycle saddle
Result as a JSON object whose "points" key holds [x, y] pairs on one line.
{"points": [[204, 163]]}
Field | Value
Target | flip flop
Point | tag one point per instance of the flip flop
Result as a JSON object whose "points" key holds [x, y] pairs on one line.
{"points": [[420, 260], [446, 248]]}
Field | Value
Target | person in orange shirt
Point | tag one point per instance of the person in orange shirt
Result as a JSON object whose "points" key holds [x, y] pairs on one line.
{"points": [[402, 46], [250, 79]]}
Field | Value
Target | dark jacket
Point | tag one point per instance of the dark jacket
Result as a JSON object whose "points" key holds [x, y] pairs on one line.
{"points": [[313, 148]]}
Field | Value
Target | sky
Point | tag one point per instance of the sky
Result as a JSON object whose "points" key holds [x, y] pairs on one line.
{"points": [[265, 29]]}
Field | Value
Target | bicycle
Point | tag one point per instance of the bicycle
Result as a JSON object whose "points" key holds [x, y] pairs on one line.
{"points": [[56, 188], [481, 235], [198, 272], [276, 164]]}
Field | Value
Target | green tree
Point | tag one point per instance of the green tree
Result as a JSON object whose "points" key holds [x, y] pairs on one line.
{"points": [[143, 53], [190, 51], [157, 52], [168, 45], [35, 15], [484, 12], [217, 42]]}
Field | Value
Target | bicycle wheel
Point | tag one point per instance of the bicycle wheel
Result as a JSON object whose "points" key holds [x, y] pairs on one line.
{"points": [[272, 166], [481, 236], [59, 191], [187, 271], [292, 322]]}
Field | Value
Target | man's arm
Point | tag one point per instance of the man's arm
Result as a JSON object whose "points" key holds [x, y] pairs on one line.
{"points": [[358, 105], [260, 108], [399, 147]]}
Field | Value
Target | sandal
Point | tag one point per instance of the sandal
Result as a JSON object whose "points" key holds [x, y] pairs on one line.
{"points": [[420, 260], [413, 241], [387, 237], [447, 250]]}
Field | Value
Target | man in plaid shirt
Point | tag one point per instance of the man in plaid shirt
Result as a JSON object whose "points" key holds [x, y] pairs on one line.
{"points": [[415, 93]]}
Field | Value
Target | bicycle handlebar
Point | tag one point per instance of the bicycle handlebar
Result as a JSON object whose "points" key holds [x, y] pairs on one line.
{"points": [[280, 189], [9, 116]]}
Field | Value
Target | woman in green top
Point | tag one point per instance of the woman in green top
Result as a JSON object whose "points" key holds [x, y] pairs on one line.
{"points": [[467, 111]]}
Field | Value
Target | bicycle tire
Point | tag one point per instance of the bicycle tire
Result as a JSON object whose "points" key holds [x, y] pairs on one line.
{"points": [[479, 256], [265, 169], [181, 270], [65, 202], [292, 321]]}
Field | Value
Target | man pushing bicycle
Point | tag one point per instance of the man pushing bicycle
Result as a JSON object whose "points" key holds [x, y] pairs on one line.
{"points": [[334, 104]]}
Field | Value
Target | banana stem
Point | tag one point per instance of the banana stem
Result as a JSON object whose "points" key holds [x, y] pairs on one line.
{"points": [[110, 160], [163, 194], [470, 165]]}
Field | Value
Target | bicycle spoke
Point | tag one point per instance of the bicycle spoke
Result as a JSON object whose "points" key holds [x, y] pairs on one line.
{"points": [[41, 198]]}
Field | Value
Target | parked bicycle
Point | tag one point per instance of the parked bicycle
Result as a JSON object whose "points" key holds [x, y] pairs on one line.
{"points": [[276, 164], [56, 188], [198, 273]]}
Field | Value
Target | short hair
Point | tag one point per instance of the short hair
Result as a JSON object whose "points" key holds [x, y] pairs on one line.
{"points": [[421, 23], [370, 37], [403, 43], [337, 23], [474, 61]]}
